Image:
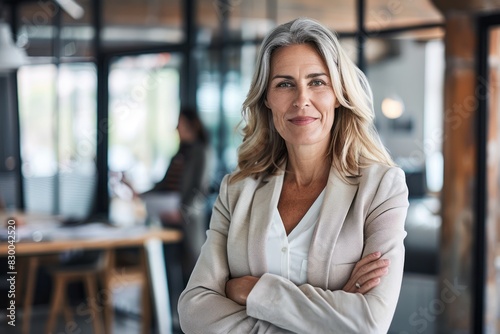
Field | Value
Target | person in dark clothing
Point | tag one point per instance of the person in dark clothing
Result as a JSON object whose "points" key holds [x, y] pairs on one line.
{"points": [[186, 174], [179, 199]]}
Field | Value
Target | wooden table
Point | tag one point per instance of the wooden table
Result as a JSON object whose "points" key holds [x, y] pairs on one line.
{"points": [[56, 239]]}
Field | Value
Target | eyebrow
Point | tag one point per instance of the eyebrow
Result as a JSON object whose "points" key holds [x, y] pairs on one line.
{"points": [[311, 75]]}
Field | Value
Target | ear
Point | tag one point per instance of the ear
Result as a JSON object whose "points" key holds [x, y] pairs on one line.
{"points": [[337, 104], [266, 104]]}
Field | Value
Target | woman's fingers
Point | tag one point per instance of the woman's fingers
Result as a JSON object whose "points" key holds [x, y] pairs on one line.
{"points": [[371, 279], [368, 285], [372, 266], [366, 260], [367, 273]]}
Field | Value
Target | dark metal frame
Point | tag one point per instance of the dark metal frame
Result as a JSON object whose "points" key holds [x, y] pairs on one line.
{"points": [[17, 123], [479, 272], [103, 60], [361, 34]]}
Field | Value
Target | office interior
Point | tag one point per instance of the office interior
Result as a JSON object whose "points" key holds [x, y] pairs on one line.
{"points": [[93, 95]]}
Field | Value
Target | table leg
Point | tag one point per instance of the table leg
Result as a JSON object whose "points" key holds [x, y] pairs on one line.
{"points": [[109, 265], [159, 285], [56, 303], [30, 291], [91, 288], [146, 294]]}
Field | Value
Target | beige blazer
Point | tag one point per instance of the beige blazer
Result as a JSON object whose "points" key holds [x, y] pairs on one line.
{"points": [[355, 220]]}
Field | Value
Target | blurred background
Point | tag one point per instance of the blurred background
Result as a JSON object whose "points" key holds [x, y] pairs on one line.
{"points": [[90, 97]]}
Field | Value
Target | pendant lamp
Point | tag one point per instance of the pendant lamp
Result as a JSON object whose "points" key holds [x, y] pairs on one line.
{"points": [[11, 56]]}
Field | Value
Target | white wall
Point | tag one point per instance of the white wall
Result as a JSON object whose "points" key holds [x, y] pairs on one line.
{"points": [[402, 75]]}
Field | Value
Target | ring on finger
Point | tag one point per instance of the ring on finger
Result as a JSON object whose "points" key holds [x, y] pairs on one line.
{"points": [[358, 286]]}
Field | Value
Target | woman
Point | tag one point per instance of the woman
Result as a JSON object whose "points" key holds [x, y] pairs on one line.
{"points": [[302, 234]]}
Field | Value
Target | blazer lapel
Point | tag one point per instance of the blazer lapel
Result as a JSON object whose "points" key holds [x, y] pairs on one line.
{"points": [[338, 199], [265, 201]]}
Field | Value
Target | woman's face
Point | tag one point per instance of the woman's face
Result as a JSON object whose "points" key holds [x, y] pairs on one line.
{"points": [[300, 96], [186, 132]]}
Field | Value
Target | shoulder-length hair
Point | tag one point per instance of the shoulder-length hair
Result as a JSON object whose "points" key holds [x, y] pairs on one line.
{"points": [[354, 139]]}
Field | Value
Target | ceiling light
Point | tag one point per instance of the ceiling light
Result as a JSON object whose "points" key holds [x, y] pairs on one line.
{"points": [[72, 8], [11, 56], [392, 107]]}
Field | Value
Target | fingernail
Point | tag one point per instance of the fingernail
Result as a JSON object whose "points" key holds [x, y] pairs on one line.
{"points": [[387, 261], [377, 254]]}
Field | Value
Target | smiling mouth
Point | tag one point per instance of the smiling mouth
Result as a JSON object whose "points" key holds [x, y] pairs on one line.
{"points": [[302, 120]]}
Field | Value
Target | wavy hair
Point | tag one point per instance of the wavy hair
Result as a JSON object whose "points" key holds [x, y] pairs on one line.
{"points": [[354, 140]]}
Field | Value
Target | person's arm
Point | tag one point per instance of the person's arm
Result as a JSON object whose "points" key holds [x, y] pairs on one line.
{"points": [[368, 271], [308, 309], [203, 305], [192, 177]]}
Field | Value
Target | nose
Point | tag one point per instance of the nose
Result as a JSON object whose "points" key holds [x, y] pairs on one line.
{"points": [[302, 98]]}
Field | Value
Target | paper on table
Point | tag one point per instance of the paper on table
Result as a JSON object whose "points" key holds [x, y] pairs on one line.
{"points": [[29, 227], [156, 203]]}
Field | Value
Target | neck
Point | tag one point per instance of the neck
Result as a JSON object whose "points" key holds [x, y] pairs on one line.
{"points": [[307, 168]]}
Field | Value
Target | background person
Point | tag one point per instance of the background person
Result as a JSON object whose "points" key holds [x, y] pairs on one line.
{"points": [[179, 199]]}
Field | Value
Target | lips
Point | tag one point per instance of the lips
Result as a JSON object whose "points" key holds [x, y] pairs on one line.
{"points": [[302, 120]]}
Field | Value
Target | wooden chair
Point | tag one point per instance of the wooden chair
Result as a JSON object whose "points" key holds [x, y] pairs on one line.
{"points": [[89, 275], [28, 273], [62, 276], [112, 275], [117, 275]]}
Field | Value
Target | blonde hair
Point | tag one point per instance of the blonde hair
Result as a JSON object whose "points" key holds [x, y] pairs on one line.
{"points": [[354, 139]]}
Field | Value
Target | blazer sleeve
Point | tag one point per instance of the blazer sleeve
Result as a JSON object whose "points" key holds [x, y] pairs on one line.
{"points": [[203, 306], [309, 309]]}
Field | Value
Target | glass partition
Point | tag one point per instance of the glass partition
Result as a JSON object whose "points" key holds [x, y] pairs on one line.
{"points": [[58, 139], [143, 114], [208, 92], [221, 95], [406, 75]]}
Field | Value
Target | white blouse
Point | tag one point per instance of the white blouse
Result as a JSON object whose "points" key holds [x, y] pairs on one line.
{"points": [[287, 255]]}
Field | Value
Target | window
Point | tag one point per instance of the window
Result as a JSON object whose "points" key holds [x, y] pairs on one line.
{"points": [[143, 113], [58, 140]]}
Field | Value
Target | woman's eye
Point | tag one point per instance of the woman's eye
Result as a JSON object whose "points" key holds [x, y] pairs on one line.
{"points": [[284, 84], [317, 83]]}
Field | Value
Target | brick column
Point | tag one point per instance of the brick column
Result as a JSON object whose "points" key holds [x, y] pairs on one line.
{"points": [[453, 306], [459, 151], [493, 179]]}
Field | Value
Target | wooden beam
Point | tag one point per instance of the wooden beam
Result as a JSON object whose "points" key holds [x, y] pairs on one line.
{"points": [[467, 298]]}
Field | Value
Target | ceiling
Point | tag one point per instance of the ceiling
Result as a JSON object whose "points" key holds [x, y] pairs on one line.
{"points": [[154, 22], [340, 15]]}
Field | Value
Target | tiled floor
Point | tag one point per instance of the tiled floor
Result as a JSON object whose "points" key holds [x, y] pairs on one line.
{"points": [[127, 318], [122, 324], [417, 292]]}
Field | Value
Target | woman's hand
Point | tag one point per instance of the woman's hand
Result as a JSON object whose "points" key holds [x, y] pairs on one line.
{"points": [[238, 289], [367, 273], [171, 217]]}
